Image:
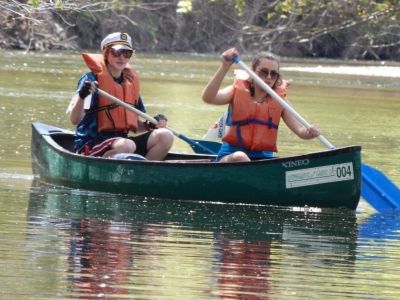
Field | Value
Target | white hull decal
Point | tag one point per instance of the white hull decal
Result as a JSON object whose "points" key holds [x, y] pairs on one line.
{"points": [[319, 175]]}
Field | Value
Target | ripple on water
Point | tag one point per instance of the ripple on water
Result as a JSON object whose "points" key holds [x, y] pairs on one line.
{"points": [[16, 176]]}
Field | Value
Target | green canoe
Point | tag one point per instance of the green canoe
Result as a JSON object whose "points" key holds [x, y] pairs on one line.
{"points": [[330, 178]]}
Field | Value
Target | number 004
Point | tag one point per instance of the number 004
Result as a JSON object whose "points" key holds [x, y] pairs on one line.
{"points": [[343, 171]]}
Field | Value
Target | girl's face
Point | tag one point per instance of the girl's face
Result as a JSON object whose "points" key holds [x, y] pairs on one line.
{"points": [[117, 59], [268, 71]]}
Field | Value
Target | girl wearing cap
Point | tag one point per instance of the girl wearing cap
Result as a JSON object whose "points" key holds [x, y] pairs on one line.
{"points": [[102, 126]]}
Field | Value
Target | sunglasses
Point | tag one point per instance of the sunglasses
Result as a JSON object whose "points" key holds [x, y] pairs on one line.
{"points": [[124, 52], [265, 73]]}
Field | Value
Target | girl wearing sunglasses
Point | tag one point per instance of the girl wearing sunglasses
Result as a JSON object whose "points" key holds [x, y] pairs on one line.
{"points": [[253, 115], [102, 126]]}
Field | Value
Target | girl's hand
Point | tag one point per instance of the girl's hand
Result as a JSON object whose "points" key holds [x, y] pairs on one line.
{"points": [[228, 55], [314, 131], [161, 122], [88, 87]]}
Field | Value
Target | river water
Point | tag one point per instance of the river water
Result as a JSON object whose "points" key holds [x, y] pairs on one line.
{"points": [[60, 243]]}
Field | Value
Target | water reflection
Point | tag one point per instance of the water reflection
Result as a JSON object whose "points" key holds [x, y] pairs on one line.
{"points": [[119, 245], [244, 269], [381, 226], [99, 257]]}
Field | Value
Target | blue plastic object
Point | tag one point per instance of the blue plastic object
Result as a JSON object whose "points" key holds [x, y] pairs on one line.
{"points": [[378, 190]]}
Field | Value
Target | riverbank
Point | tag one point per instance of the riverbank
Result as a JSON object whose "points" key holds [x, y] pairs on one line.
{"points": [[334, 30]]}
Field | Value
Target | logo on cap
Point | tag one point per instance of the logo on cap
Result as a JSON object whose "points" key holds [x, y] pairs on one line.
{"points": [[124, 37]]}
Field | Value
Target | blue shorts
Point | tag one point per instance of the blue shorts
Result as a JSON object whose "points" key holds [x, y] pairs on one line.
{"points": [[227, 149]]}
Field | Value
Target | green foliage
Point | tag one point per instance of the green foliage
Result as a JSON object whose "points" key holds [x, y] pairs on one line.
{"points": [[59, 4], [240, 6], [152, 31], [184, 6], [34, 3], [117, 5]]}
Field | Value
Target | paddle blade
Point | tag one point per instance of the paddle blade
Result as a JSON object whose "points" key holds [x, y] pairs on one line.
{"points": [[378, 190], [218, 130], [201, 147]]}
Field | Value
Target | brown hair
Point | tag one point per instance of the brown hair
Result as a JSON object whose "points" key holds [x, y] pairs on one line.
{"points": [[106, 51], [256, 61]]}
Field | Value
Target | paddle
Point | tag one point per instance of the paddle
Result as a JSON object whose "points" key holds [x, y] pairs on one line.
{"points": [[376, 188], [200, 145]]}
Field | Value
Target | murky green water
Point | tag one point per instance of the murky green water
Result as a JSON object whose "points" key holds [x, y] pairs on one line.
{"points": [[62, 243]]}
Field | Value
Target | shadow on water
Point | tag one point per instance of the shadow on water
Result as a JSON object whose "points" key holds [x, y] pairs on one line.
{"points": [[115, 243]]}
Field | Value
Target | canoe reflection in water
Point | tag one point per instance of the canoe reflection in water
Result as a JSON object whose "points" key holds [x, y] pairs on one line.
{"points": [[244, 269], [125, 246], [100, 253]]}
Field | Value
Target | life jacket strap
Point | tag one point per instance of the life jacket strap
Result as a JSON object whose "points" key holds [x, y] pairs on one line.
{"points": [[268, 123], [240, 123], [101, 108]]}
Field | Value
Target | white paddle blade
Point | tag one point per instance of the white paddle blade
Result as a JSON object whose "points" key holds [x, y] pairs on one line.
{"points": [[218, 130]]}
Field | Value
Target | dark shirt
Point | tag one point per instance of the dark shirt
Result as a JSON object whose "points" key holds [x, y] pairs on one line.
{"points": [[86, 132]]}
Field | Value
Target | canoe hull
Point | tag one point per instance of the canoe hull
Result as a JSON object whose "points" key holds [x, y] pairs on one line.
{"points": [[330, 178]]}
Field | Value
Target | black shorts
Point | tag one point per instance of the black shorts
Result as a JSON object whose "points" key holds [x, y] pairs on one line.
{"points": [[141, 142], [104, 145]]}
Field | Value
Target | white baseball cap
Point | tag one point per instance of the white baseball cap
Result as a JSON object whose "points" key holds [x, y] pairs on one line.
{"points": [[118, 40]]}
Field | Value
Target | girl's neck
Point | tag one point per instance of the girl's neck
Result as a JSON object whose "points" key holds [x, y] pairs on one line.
{"points": [[116, 73], [259, 98], [259, 93]]}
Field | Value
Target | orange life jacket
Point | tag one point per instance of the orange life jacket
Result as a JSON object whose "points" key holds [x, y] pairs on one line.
{"points": [[254, 126], [109, 116]]}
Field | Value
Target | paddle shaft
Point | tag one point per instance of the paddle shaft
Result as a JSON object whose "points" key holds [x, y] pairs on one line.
{"points": [[282, 102], [152, 120]]}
